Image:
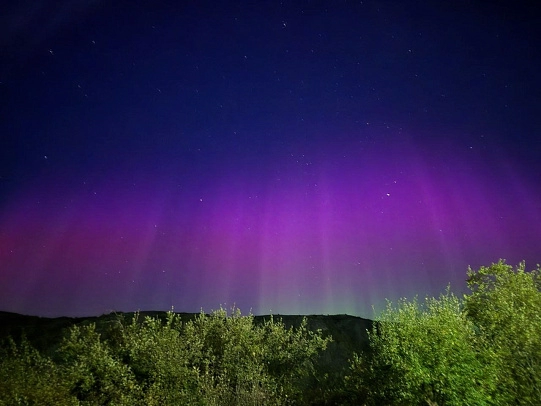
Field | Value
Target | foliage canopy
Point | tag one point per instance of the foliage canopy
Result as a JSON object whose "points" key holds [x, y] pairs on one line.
{"points": [[217, 359], [482, 350]]}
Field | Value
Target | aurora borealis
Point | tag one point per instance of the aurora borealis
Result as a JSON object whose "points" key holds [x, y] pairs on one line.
{"points": [[297, 157]]}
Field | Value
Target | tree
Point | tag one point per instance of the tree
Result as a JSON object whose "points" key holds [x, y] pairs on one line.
{"points": [[422, 354], [217, 359], [484, 349], [505, 305], [30, 378], [93, 370]]}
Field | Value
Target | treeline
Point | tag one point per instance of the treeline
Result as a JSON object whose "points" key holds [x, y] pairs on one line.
{"points": [[480, 349]]}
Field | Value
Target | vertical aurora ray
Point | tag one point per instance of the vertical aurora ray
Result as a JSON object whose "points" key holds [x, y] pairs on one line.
{"points": [[354, 228]]}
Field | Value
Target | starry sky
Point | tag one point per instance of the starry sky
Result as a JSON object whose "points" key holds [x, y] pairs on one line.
{"points": [[293, 157]]}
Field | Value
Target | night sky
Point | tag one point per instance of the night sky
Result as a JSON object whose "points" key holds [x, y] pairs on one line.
{"points": [[295, 157]]}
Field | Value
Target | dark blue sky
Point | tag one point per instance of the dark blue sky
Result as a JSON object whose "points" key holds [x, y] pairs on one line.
{"points": [[291, 157]]}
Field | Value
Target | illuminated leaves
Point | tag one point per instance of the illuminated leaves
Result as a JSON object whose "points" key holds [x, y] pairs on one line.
{"points": [[482, 350]]}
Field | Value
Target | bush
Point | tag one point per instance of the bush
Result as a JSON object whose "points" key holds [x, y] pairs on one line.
{"points": [[93, 370], [28, 378], [482, 350], [221, 359], [505, 304], [422, 354], [216, 359]]}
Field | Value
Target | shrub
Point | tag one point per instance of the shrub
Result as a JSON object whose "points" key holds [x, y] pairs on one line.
{"points": [[93, 370], [422, 353], [505, 305], [482, 350], [218, 359], [28, 378]]}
